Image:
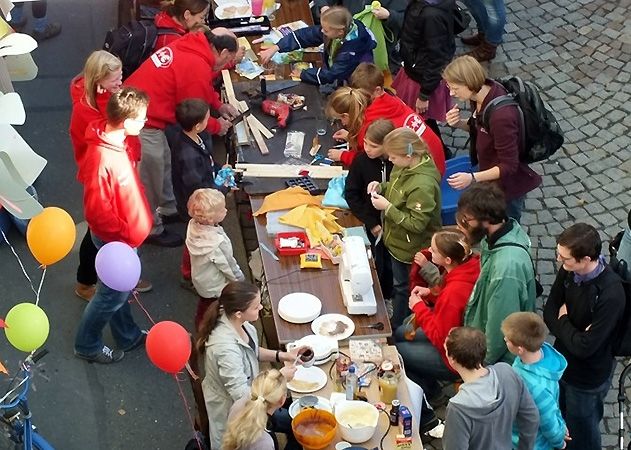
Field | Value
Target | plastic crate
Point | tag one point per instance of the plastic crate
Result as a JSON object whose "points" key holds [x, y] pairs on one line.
{"points": [[450, 195], [292, 251]]}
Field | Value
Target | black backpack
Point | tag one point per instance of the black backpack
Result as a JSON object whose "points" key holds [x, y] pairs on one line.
{"points": [[462, 19], [133, 43], [540, 133], [622, 345]]}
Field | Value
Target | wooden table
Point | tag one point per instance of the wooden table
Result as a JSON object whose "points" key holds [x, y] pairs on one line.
{"points": [[372, 393], [285, 276]]}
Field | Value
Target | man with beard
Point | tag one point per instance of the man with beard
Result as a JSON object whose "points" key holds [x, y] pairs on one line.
{"points": [[507, 279]]}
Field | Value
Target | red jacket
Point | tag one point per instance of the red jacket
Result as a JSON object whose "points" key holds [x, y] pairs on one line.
{"points": [[114, 201], [163, 20], [392, 108], [179, 71], [449, 305], [83, 114]]}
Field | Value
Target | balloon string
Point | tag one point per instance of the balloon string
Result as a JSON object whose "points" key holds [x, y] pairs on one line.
{"points": [[188, 412], [20, 262], [39, 288], [134, 294]]}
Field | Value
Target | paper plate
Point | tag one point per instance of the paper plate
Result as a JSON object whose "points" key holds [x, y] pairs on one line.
{"points": [[232, 10], [299, 307], [323, 403], [335, 326], [307, 380]]}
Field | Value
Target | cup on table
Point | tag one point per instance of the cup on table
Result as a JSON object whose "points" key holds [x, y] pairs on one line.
{"points": [[321, 127], [307, 357], [257, 7]]}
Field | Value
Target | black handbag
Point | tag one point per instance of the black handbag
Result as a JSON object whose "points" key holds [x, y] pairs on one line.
{"points": [[462, 19]]}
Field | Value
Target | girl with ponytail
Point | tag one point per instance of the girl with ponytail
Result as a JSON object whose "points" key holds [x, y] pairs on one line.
{"points": [[177, 18], [250, 424]]}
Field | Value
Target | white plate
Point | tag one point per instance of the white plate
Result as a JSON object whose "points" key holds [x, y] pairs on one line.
{"points": [[325, 326], [323, 347], [323, 403], [232, 10], [308, 380], [299, 307]]}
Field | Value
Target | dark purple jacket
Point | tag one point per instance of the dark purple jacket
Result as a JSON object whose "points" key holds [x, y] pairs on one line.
{"points": [[500, 147]]}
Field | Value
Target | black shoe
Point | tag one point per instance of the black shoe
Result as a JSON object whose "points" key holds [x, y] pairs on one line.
{"points": [[51, 30], [138, 342], [165, 239], [172, 218]]}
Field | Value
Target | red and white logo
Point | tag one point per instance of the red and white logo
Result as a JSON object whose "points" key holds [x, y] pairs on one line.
{"points": [[415, 123], [163, 57]]}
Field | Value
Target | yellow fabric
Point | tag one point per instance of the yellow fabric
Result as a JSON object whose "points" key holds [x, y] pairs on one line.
{"points": [[288, 198], [319, 223]]}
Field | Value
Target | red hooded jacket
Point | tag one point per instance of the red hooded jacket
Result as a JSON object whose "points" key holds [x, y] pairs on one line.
{"points": [[392, 108], [83, 114], [183, 69], [449, 305], [163, 20], [114, 201]]}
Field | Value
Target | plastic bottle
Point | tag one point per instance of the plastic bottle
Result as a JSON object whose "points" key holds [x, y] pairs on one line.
{"points": [[351, 383]]}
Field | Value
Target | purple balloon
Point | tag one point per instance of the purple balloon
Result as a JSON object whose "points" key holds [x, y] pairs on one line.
{"points": [[118, 266]]}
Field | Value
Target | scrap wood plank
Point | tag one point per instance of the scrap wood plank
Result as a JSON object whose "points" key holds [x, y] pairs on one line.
{"points": [[288, 170], [262, 128], [243, 106], [227, 83], [258, 137]]}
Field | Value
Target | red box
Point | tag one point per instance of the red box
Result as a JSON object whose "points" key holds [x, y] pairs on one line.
{"points": [[292, 251]]}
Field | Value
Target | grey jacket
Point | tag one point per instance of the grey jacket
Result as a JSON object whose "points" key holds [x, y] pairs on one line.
{"points": [[481, 415], [230, 365]]}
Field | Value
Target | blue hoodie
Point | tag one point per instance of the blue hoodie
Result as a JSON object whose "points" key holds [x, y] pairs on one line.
{"points": [[356, 48], [542, 380]]}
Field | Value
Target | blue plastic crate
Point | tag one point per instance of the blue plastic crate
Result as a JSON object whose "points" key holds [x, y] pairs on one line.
{"points": [[450, 196]]}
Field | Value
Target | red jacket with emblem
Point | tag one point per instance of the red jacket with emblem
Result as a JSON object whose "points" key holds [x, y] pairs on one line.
{"points": [[392, 108], [165, 22], [83, 114], [449, 305], [181, 70], [114, 201]]}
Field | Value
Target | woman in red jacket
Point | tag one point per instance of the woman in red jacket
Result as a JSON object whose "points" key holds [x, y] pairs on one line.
{"points": [[177, 19], [421, 345]]}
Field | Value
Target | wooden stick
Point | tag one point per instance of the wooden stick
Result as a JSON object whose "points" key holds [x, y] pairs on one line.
{"points": [[288, 170], [262, 128], [258, 137]]}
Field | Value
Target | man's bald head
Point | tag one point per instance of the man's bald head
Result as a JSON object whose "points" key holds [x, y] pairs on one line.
{"points": [[223, 31]]}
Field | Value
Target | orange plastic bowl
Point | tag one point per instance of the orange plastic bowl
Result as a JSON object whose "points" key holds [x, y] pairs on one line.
{"points": [[314, 429]]}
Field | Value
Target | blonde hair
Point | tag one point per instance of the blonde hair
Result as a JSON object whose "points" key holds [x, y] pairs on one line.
{"points": [[453, 244], [268, 388], [378, 130], [466, 71], [404, 142], [203, 203], [99, 65], [525, 329], [337, 17], [351, 101], [367, 76]]}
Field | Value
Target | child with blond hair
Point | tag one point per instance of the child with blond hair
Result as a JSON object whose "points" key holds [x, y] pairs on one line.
{"points": [[212, 262], [411, 207], [541, 367]]}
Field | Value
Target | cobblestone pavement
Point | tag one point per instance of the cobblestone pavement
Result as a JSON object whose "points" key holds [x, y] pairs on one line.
{"points": [[578, 52]]}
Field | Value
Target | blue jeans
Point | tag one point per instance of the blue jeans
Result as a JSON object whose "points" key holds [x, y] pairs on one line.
{"points": [[400, 294], [582, 410], [8, 220], [107, 306], [515, 207], [490, 17], [423, 363]]}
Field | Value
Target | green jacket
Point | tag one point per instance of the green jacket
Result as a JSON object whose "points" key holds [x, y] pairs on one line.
{"points": [[414, 213], [506, 285]]}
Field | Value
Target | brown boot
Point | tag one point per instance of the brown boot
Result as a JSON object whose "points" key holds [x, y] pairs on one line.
{"points": [[85, 291], [474, 40], [483, 52]]}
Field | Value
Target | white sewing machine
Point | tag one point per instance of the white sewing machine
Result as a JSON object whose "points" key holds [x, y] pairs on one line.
{"points": [[356, 278]]}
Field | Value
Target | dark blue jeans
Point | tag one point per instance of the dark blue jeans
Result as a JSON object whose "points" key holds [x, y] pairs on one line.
{"points": [[582, 410], [400, 294], [490, 18], [383, 262], [515, 207], [423, 363], [107, 306]]}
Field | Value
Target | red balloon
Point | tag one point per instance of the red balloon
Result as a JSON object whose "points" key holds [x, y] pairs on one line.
{"points": [[168, 346]]}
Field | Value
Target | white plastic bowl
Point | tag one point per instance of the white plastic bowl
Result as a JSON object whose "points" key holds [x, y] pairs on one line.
{"points": [[357, 420]]}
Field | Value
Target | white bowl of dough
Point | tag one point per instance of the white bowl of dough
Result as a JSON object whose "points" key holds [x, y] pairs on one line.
{"points": [[299, 307], [357, 420]]}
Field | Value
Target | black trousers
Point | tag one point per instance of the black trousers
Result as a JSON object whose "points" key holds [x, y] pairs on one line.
{"points": [[86, 273]]}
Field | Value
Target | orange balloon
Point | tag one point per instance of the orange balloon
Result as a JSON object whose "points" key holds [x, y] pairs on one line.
{"points": [[50, 235]]}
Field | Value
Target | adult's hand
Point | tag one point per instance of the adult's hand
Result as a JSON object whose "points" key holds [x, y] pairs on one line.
{"points": [[228, 111], [267, 54], [421, 106], [460, 180], [239, 55], [225, 126], [453, 116], [375, 230], [341, 135], [381, 13]]}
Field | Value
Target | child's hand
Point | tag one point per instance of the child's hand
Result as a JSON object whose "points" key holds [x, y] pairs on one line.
{"points": [[381, 13], [288, 371], [416, 296], [453, 116], [460, 180], [421, 291], [341, 135], [267, 54], [375, 230], [373, 186], [420, 259], [379, 202], [335, 154]]}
